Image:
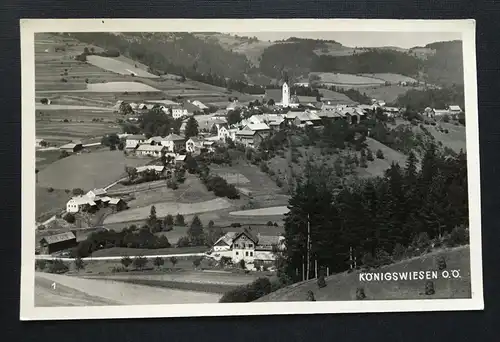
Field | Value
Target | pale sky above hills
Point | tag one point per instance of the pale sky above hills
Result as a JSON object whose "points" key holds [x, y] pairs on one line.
{"points": [[363, 39]]}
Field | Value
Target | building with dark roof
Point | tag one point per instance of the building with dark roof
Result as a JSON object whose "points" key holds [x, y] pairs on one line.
{"points": [[59, 242]]}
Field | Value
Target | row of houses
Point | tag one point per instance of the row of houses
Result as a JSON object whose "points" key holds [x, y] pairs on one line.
{"points": [[176, 109]]}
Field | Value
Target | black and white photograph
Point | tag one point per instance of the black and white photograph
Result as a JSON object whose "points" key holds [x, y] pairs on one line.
{"points": [[177, 168]]}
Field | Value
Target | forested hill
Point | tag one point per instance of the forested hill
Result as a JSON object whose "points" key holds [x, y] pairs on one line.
{"points": [[446, 65], [254, 61]]}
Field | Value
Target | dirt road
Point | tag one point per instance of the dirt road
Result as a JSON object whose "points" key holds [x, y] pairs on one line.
{"points": [[74, 291]]}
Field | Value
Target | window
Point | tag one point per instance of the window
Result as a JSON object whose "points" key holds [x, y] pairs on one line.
{"points": [[246, 253], [236, 253], [251, 254], [250, 245]]}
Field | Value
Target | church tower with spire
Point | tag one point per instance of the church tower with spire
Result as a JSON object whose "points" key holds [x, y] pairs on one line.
{"points": [[285, 92]]}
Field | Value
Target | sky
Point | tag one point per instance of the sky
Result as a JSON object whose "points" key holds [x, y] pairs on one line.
{"points": [[363, 39]]}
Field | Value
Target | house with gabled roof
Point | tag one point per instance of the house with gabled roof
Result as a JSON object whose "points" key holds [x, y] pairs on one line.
{"points": [[134, 140], [248, 246], [249, 138], [174, 143], [194, 144], [58, 242], [150, 150]]}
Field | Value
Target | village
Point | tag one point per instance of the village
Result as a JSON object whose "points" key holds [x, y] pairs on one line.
{"points": [[281, 110], [155, 175]]}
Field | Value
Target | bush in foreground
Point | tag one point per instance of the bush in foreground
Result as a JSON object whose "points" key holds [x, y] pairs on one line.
{"points": [[248, 293]]}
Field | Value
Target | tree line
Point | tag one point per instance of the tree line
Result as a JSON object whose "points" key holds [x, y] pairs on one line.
{"points": [[374, 218]]}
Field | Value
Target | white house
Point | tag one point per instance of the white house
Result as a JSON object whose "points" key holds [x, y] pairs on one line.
{"points": [[224, 132], [96, 193], [173, 142], [179, 112], [248, 246], [135, 140], [78, 203], [150, 150], [199, 104], [194, 144], [454, 109]]}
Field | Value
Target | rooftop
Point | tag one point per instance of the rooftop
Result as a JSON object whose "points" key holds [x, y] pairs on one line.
{"points": [[58, 238]]}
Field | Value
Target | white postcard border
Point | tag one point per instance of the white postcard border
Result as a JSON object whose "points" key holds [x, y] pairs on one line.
{"points": [[29, 27]]}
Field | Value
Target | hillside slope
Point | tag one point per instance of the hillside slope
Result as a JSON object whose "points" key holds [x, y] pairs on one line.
{"points": [[343, 286]]}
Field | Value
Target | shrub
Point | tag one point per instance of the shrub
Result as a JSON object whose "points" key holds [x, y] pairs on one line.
{"points": [[226, 261], [429, 288], [242, 264], [126, 261], [197, 262], [459, 236], [50, 189], [158, 262], [179, 220], [79, 264], [269, 223], [310, 296], [235, 225], [264, 167], [275, 224], [248, 293], [446, 118], [173, 261], [441, 263], [421, 242], [321, 281], [70, 218], [140, 262], [380, 154], [40, 264], [399, 251], [368, 261], [78, 191], [369, 155], [58, 266], [360, 293], [184, 241]]}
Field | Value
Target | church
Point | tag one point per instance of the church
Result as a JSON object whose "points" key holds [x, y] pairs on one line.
{"points": [[283, 98]]}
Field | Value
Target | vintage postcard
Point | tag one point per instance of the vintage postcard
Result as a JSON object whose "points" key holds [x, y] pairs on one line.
{"points": [[176, 168]]}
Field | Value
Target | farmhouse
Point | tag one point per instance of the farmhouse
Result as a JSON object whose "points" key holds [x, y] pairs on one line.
{"points": [[150, 150], [180, 159], [158, 169], [179, 112], [302, 119], [248, 246], [96, 193], [72, 147], [80, 203], [262, 128], [194, 144], [132, 141], [224, 132], [199, 104], [249, 138], [55, 243], [173, 142], [116, 203]]}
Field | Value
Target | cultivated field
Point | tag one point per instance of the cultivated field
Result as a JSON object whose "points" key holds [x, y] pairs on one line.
{"points": [[392, 78], [271, 211], [165, 208], [117, 87], [118, 67], [56, 132], [343, 286], [87, 170], [117, 293], [335, 97], [332, 78], [121, 251], [389, 94]]}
